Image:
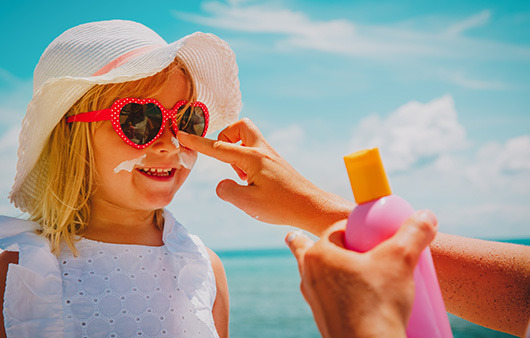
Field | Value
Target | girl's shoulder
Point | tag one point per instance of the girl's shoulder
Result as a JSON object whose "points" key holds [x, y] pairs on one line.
{"points": [[14, 231], [7, 221], [32, 300], [177, 238]]}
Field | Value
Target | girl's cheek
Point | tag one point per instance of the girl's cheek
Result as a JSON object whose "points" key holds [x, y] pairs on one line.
{"points": [[187, 158]]}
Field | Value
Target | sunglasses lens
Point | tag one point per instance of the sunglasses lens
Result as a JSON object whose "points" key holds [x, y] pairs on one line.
{"points": [[192, 120], [140, 122]]}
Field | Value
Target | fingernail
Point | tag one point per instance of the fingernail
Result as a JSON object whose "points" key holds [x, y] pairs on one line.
{"points": [[293, 235], [180, 132], [428, 216]]}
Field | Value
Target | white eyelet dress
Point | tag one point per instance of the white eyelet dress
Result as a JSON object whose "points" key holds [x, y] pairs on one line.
{"points": [[109, 290]]}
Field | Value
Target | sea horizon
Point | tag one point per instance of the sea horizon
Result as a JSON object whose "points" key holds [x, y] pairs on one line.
{"points": [[228, 252]]}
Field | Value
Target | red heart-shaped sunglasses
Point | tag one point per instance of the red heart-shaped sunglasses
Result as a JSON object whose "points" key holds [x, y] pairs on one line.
{"points": [[139, 122]]}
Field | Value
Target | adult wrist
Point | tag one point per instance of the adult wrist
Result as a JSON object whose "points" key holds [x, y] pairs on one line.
{"points": [[378, 325], [329, 208]]}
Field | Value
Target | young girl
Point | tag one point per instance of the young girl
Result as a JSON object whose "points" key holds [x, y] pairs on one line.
{"points": [[98, 162]]}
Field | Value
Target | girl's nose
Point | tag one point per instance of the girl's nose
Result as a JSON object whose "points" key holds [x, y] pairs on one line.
{"points": [[167, 142]]}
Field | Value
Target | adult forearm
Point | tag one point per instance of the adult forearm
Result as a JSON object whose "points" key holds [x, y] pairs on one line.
{"points": [[485, 282], [323, 209]]}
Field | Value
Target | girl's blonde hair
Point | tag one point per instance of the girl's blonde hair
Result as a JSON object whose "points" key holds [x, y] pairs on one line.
{"points": [[62, 203]]}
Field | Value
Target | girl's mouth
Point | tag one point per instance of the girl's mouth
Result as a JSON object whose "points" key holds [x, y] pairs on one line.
{"points": [[157, 172]]}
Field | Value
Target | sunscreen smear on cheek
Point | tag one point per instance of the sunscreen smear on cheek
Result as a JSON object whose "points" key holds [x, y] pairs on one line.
{"points": [[129, 165], [187, 158]]}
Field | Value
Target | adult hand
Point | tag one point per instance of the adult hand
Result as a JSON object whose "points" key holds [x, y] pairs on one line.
{"points": [[362, 294], [275, 192]]}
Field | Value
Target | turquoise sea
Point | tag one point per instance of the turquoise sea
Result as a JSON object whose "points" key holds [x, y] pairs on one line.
{"points": [[266, 301]]}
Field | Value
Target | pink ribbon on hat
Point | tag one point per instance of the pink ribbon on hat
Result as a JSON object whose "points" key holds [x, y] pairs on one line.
{"points": [[120, 60]]}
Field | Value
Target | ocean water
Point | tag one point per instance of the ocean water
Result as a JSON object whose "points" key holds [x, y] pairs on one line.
{"points": [[265, 298]]}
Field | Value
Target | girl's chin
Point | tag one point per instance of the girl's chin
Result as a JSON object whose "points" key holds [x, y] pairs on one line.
{"points": [[158, 202], [160, 192]]}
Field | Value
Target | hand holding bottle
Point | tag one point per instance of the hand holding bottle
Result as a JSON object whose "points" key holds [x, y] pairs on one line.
{"points": [[362, 294]]}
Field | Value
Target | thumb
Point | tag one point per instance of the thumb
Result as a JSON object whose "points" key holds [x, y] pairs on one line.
{"points": [[298, 243], [414, 236], [229, 191]]}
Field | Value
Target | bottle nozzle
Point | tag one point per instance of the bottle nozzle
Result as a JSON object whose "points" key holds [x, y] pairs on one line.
{"points": [[367, 175]]}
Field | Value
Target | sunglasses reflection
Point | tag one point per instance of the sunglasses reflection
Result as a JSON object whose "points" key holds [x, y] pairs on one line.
{"points": [[192, 121], [141, 123]]}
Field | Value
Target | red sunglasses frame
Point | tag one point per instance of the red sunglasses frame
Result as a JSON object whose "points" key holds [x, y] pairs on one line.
{"points": [[113, 114]]}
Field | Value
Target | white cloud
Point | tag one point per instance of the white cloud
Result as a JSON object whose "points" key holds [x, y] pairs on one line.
{"points": [[462, 80], [13, 101], [211, 171], [475, 191], [485, 220], [510, 213], [515, 155], [283, 21], [262, 19], [502, 167], [335, 36], [287, 141], [477, 20], [9, 140], [484, 194], [302, 31], [412, 133], [14, 82], [8, 154], [341, 36], [12, 109]]}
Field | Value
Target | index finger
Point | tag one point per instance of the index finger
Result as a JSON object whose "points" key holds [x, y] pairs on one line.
{"points": [[243, 130], [223, 151]]}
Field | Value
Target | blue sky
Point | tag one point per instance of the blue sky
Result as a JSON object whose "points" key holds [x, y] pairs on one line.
{"points": [[441, 88]]}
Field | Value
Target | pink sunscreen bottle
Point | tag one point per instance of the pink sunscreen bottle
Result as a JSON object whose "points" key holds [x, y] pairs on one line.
{"points": [[377, 217]]}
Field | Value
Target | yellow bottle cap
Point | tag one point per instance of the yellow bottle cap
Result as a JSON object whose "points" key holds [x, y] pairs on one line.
{"points": [[367, 176]]}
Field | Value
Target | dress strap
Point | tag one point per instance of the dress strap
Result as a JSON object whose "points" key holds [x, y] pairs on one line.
{"points": [[197, 277]]}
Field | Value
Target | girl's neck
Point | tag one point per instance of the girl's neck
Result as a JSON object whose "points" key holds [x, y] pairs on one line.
{"points": [[112, 224]]}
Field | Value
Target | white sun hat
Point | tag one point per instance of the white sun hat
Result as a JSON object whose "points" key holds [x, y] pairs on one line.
{"points": [[113, 52]]}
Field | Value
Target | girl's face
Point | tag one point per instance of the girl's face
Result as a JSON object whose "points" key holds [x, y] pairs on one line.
{"points": [[144, 187]]}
